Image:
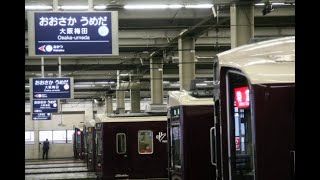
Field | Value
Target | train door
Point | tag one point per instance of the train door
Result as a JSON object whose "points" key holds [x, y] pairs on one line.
{"points": [[85, 140], [121, 152], [215, 139], [175, 171], [90, 148], [78, 143], [239, 128], [215, 132], [99, 149]]}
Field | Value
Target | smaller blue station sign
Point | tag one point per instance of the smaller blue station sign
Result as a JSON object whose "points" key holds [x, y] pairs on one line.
{"points": [[52, 88], [45, 106], [41, 116]]}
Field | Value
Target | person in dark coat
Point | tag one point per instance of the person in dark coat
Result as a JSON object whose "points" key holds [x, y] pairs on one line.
{"points": [[45, 149]]}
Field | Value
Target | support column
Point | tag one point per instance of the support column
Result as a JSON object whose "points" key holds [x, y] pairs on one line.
{"points": [[100, 107], [241, 23], [135, 100], [186, 62], [88, 111], [42, 66], [120, 101], [109, 105], [156, 73], [55, 5], [90, 5], [37, 153]]}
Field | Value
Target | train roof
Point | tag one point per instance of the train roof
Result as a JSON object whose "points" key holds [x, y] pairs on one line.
{"points": [[105, 118], [271, 61], [178, 98]]}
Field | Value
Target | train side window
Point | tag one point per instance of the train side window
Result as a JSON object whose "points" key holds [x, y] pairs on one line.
{"points": [[121, 143], [145, 142], [29, 137]]}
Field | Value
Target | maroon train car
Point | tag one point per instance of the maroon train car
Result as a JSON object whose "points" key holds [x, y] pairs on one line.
{"points": [[131, 147], [255, 111], [90, 147], [78, 144], [190, 122]]}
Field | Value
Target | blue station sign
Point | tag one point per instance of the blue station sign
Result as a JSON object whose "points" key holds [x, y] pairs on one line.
{"points": [[73, 33], [45, 106], [41, 116], [51, 88]]}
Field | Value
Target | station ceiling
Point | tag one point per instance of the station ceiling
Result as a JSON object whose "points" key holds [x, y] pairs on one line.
{"points": [[144, 31]]}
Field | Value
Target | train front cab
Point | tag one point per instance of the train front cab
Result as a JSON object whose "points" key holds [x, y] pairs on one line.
{"points": [[189, 128], [257, 123], [90, 148], [134, 150], [78, 144]]}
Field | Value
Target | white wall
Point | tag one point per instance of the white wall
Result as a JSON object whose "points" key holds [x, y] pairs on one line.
{"points": [[73, 114]]}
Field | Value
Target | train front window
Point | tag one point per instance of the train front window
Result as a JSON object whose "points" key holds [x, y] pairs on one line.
{"points": [[121, 143], [175, 149], [240, 128]]}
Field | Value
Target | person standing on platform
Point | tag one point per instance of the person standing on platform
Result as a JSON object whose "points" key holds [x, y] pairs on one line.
{"points": [[45, 149]]}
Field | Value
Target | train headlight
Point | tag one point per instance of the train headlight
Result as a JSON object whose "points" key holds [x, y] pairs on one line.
{"points": [[99, 164], [90, 160]]}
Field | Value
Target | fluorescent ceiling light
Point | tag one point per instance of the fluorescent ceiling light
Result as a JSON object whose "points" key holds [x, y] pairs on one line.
{"points": [[279, 4], [100, 7], [174, 85], [199, 6], [175, 6], [40, 7], [275, 4], [83, 85], [74, 7], [156, 6]]}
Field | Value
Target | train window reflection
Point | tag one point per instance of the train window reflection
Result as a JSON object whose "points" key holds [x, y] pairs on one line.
{"points": [[29, 137], [176, 154], [121, 143], [145, 142]]}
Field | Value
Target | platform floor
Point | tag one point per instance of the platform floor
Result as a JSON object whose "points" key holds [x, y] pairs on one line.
{"points": [[62, 169]]}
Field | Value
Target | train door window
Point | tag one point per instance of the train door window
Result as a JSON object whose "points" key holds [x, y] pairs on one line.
{"points": [[145, 141], [98, 143], [241, 164], [69, 135], [98, 139], [121, 143], [175, 149], [29, 137]]}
